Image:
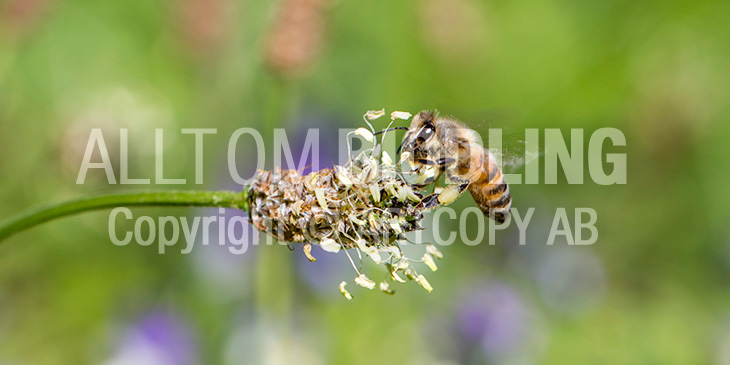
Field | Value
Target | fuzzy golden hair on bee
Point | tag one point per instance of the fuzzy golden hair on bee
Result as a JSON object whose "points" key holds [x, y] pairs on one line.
{"points": [[437, 145]]}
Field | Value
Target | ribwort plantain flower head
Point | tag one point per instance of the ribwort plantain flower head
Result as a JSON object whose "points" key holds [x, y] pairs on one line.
{"points": [[365, 206]]}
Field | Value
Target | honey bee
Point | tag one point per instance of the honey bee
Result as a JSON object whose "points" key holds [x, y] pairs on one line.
{"points": [[434, 146]]}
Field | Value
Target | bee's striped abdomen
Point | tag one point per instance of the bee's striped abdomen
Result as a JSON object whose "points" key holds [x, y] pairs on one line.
{"points": [[491, 192]]}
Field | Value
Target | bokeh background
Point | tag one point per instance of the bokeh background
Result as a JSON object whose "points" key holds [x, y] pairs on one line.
{"points": [[653, 289]]}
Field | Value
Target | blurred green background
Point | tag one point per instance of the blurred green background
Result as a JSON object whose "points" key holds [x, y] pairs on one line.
{"points": [[653, 289]]}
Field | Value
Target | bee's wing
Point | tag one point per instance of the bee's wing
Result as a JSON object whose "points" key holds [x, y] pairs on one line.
{"points": [[515, 154]]}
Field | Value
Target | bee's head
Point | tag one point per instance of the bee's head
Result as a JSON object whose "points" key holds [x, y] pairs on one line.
{"points": [[421, 131]]}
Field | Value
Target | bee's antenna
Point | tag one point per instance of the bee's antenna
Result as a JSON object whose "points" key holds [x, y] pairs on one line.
{"points": [[391, 129]]}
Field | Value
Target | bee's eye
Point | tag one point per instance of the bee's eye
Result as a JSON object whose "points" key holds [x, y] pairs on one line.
{"points": [[425, 133]]}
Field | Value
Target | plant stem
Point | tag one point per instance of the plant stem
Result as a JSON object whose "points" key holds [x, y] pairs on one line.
{"points": [[34, 217]]}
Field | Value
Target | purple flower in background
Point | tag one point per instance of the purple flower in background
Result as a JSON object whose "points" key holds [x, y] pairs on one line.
{"points": [[570, 281], [495, 319], [158, 338]]}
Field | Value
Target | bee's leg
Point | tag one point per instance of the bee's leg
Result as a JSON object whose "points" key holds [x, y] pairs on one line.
{"points": [[448, 194], [443, 162], [430, 201], [424, 161], [461, 182]]}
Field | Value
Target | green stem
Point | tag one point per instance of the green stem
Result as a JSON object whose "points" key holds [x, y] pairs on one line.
{"points": [[34, 217]]}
